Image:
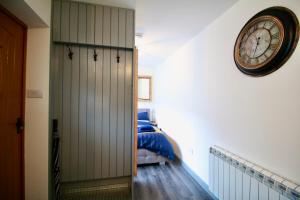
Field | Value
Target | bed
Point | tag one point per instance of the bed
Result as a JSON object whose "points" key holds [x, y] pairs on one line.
{"points": [[153, 145]]}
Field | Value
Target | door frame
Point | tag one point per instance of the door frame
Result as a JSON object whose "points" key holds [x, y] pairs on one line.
{"points": [[22, 135], [135, 108]]}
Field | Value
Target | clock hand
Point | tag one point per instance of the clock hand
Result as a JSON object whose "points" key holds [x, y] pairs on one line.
{"points": [[256, 46]]}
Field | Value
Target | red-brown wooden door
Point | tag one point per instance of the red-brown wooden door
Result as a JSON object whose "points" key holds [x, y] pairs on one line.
{"points": [[11, 107]]}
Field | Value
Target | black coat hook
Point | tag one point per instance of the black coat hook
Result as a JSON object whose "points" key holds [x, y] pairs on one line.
{"points": [[70, 54], [118, 56], [95, 55]]}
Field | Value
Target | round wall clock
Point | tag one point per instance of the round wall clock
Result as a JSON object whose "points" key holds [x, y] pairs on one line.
{"points": [[266, 41]]}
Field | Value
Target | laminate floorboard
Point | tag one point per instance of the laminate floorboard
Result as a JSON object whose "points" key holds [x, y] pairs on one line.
{"points": [[166, 182]]}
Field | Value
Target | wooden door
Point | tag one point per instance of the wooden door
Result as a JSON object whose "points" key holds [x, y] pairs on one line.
{"points": [[11, 107]]}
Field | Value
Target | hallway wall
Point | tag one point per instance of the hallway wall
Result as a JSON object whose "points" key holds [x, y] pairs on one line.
{"points": [[37, 114], [202, 99]]}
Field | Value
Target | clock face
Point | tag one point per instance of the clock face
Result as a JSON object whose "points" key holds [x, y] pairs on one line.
{"points": [[259, 42]]}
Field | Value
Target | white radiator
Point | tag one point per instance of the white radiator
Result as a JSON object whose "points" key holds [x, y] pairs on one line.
{"points": [[234, 178]]}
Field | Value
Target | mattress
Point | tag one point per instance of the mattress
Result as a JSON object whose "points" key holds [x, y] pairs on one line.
{"points": [[147, 157]]}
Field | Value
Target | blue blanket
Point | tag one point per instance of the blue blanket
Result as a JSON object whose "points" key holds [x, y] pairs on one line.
{"points": [[157, 143], [144, 122]]}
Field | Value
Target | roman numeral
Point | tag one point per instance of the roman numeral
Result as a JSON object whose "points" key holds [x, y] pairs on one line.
{"points": [[273, 46], [244, 38], [275, 36], [255, 60], [255, 27], [242, 51], [273, 25], [265, 24], [262, 58], [245, 58]]}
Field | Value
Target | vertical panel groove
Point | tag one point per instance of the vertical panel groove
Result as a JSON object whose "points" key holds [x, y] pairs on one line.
{"points": [[74, 18], [82, 25], [65, 21], [78, 117], [61, 111], [60, 19], [124, 112], [94, 121], [117, 111], [69, 22], [90, 24], [109, 130], [86, 113], [70, 113], [86, 19], [94, 107], [77, 39], [125, 78], [102, 130], [122, 27], [56, 20], [95, 11], [117, 129], [117, 116]]}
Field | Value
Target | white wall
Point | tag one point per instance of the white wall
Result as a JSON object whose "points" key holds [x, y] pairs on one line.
{"points": [[202, 99], [36, 115], [37, 110]]}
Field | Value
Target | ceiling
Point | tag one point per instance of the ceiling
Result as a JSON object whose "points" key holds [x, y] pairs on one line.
{"points": [[167, 24]]}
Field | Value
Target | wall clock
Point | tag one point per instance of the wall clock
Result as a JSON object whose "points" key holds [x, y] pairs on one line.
{"points": [[266, 41]]}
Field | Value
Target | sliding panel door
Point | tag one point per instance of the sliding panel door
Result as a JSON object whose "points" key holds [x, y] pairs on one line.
{"points": [[93, 104]]}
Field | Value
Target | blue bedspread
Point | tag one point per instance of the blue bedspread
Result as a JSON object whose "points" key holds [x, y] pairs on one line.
{"points": [[157, 143]]}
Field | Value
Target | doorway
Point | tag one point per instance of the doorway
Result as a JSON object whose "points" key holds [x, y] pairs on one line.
{"points": [[12, 70]]}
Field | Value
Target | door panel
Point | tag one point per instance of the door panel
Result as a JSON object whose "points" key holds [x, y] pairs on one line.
{"points": [[11, 107]]}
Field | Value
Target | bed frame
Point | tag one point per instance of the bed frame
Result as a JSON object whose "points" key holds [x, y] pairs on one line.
{"points": [[147, 157]]}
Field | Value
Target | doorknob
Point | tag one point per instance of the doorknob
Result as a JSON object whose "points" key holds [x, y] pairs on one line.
{"points": [[19, 125]]}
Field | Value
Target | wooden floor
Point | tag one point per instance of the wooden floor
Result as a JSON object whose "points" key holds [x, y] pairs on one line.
{"points": [[169, 182]]}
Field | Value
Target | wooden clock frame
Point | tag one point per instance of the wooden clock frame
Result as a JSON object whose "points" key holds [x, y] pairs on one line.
{"points": [[290, 25]]}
